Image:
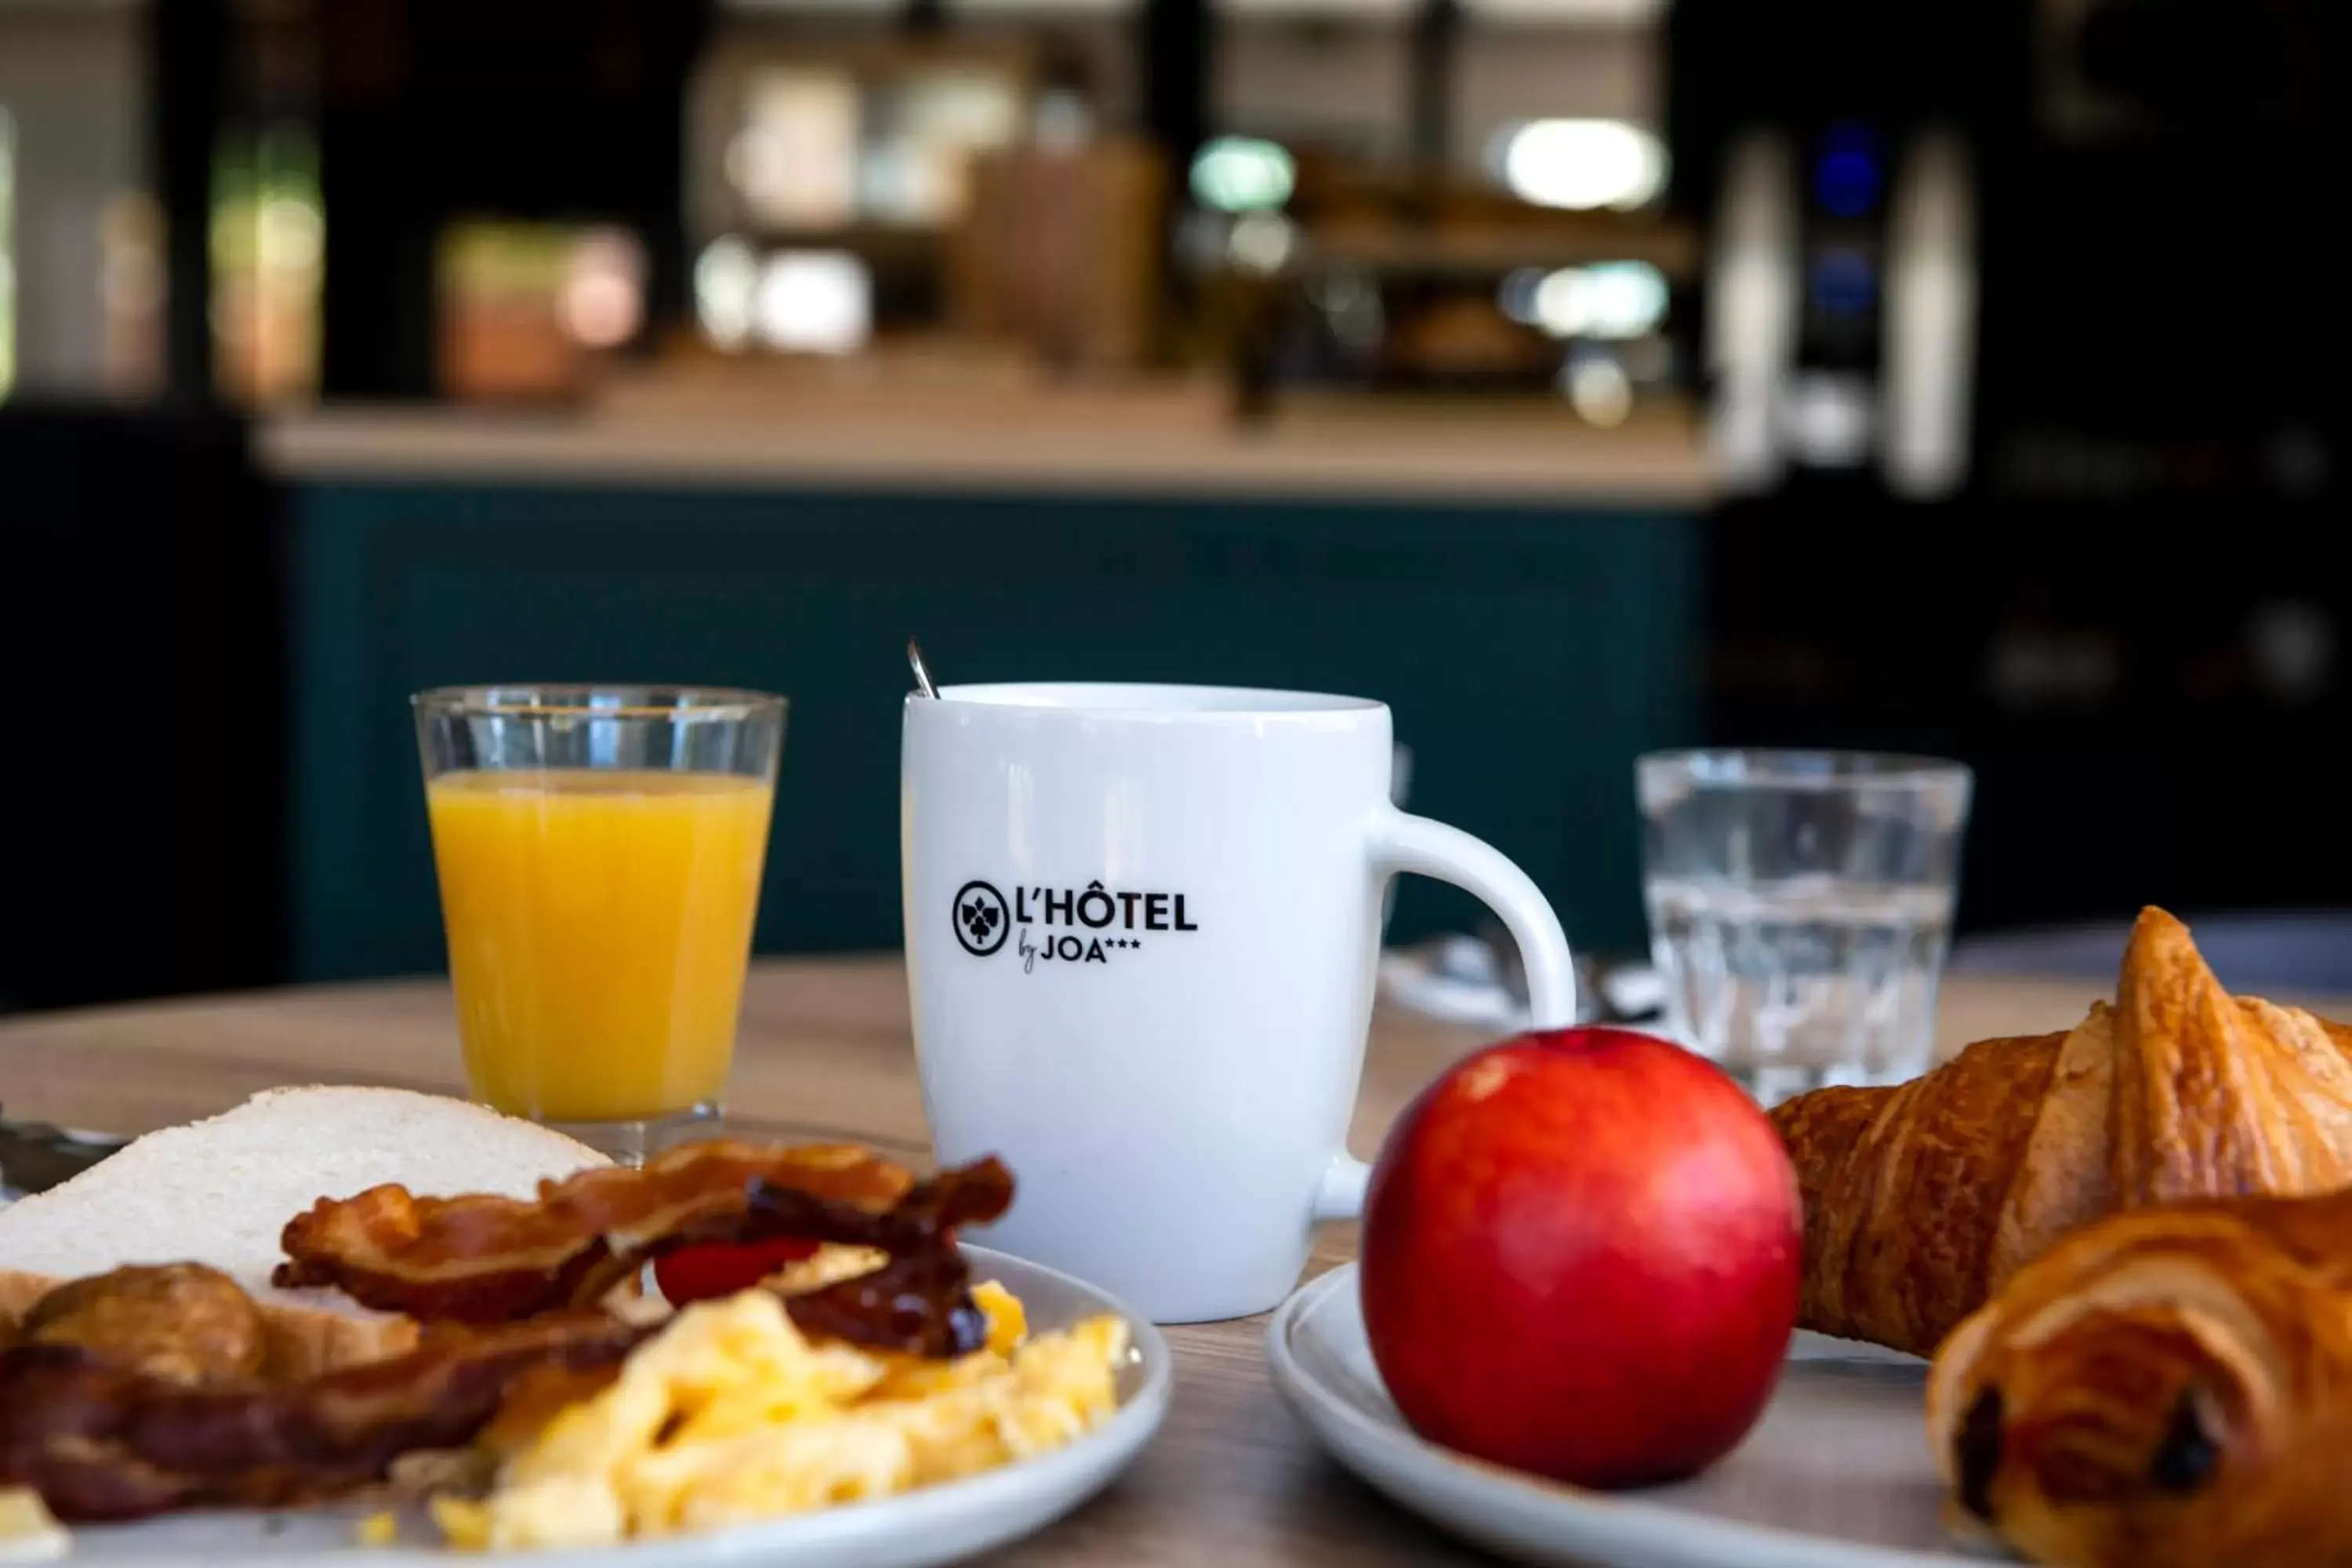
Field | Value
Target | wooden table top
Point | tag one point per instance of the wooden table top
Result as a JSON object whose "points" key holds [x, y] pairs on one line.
{"points": [[826, 1052]]}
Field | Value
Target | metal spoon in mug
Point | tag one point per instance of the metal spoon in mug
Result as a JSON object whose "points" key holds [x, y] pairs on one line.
{"points": [[922, 674]]}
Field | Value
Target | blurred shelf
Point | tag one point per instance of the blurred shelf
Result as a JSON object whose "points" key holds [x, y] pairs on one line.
{"points": [[1145, 439]]}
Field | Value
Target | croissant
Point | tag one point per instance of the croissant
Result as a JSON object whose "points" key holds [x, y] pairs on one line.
{"points": [[2167, 1388], [1924, 1199]]}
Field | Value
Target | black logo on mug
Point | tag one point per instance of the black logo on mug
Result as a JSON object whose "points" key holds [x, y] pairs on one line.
{"points": [[980, 919], [1095, 921]]}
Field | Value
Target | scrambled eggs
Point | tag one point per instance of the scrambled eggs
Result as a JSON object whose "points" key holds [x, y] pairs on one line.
{"points": [[731, 1415]]}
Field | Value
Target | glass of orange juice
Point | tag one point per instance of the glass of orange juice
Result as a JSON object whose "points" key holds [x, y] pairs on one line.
{"points": [[599, 849]]}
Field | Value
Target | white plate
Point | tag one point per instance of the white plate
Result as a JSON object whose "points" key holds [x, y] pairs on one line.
{"points": [[935, 1524], [1836, 1475]]}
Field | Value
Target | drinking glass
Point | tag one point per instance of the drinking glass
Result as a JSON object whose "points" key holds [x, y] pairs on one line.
{"points": [[599, 850], [1801, 907]]}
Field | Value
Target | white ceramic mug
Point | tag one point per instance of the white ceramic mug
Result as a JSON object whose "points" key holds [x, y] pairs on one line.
{"points": [[1142, 924]]}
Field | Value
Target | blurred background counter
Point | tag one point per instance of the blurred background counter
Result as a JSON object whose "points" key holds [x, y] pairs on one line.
{"points": [[1013, 436], [1962, 376], [1522, 595]]}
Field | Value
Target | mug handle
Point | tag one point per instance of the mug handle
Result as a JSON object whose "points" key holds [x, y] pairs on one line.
{"points": [[1401, 842]]}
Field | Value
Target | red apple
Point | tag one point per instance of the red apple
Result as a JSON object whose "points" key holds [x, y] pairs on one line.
{"points": [[1580, 1258]]}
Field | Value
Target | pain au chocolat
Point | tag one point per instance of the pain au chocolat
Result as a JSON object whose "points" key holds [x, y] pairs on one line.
{"points": [[1923, 1200], [2169, 1387]]}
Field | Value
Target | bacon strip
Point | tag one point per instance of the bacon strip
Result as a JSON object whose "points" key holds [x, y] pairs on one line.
{"points": [[920, 1301], [101, 1442], [485, 1259]]}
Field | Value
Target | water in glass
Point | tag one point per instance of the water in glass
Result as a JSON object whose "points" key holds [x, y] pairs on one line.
{"points": [[1800, 905], [1802, 982]]}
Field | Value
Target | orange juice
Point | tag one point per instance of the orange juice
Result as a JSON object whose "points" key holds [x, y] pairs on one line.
{"points": [[599, 925]]}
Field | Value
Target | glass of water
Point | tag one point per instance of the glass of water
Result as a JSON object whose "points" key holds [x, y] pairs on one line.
{"points": [[1801, 904]]}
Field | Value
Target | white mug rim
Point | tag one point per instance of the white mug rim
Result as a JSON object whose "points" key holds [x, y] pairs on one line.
{"points": [[1147, 701]]}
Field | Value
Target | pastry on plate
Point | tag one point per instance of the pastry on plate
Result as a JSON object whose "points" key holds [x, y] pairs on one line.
{"points": [[2166, 1388], [1924, 1199]]}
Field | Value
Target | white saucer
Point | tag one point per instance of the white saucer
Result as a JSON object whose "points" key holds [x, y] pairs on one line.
{"points": [[935, 1524], [1836, 1475]]}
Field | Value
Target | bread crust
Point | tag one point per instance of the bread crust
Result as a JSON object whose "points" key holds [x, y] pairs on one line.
{"points": [[298, 1341]]}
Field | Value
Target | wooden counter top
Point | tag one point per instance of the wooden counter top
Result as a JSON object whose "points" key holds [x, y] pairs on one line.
{"points": [[1423, 453]]}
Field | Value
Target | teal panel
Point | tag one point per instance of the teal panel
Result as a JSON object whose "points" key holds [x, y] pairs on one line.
{"points": [[1528, 655]]}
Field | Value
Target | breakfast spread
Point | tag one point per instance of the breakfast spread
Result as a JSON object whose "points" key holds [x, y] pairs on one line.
{"points": [[2127, 1247], [499, 1351]]}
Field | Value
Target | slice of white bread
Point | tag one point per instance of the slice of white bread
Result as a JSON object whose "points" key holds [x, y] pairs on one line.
{"points": [[220, 1191]]}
